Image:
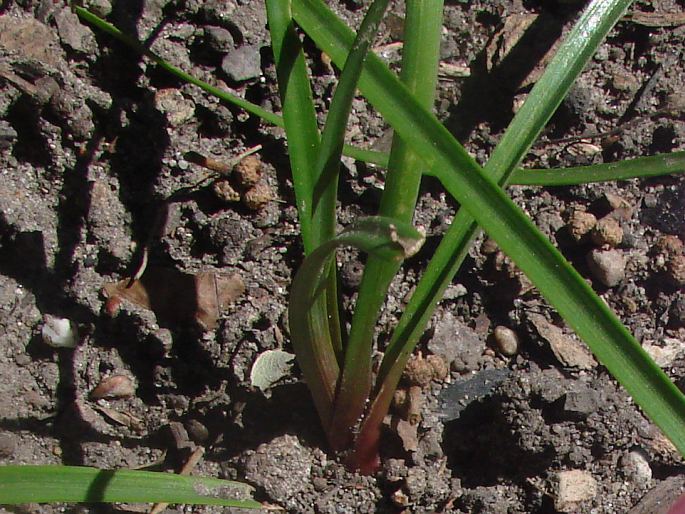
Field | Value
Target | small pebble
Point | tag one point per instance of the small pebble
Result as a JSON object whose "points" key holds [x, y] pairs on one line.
{"points": [[607, 232], [218, 39], [580, 224], [667, 352], [454, 291], [580, 404], [507, 341], [572, 487], [242, 64], [608, 266], [635, 467], [197, 431], [73, 33], [650, 200], [59, 332], [116, 386], [102, 8], [622, 208]]}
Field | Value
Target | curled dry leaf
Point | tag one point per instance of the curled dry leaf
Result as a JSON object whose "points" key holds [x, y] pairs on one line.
{"points": [[177, 297]]}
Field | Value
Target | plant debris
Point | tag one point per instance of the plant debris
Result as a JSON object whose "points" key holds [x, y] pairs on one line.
{"points": [[177, 297]]}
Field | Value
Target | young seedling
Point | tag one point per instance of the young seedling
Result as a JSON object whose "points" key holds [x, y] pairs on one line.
{"points": [[338, 367], [483, 201]]}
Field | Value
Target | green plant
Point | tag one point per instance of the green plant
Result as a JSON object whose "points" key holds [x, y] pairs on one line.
{"points": [[43, 484], [337, 367], [341, 381]]}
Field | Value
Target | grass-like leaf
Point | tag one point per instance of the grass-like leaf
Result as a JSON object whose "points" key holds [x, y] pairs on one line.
{"points": [[641, 167], [321, 353], [41, 484], [385, 238], [516, 235], [299, 116], [420, 57]]}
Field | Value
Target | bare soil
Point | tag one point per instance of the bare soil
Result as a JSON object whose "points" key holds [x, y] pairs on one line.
{"points": [[95, 165]]}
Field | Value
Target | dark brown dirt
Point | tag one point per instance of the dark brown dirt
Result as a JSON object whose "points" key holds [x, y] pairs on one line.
{"points": [[94, 164]]}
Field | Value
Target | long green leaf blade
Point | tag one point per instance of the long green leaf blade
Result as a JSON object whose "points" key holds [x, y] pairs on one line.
{"points": [[319, 357], [558, 282], [328, 167], [420, 57], [574, 53], [641, 167], [386, 238], [299, 115], [333, 136], [42, 484]]}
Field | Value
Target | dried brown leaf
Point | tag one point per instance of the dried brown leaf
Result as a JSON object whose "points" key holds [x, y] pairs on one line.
{"points": [[177, 297]]}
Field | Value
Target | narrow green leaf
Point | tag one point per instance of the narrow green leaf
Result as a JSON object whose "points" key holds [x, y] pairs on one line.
{"points": [[110, 29], [420, 58], [575, 51], [558, 282], [642, 167], [43, 484], [383, 237], [325, 194], [299, 115], [333, 135]]}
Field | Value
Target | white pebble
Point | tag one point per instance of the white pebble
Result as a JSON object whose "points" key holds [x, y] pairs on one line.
{"points": [[636, 467], [59, 332]]}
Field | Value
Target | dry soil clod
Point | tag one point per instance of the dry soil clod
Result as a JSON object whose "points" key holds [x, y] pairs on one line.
{"points": [[580, 224], [607, 232]]}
